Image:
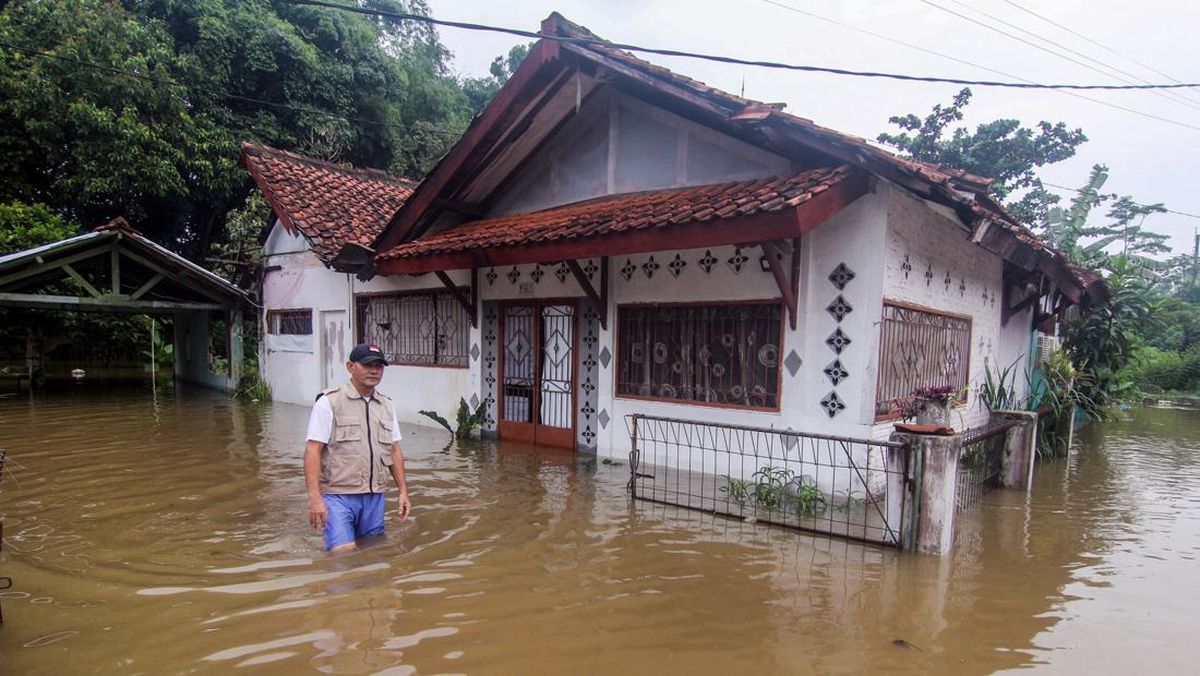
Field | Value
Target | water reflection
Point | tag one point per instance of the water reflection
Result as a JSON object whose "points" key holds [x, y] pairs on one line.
{"points": [[181, 516]]}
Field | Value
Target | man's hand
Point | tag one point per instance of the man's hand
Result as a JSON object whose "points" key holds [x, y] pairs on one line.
{"points": [[405, 506], [318, 513]]}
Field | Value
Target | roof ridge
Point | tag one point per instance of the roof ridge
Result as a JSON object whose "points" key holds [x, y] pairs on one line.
{"points": [[257, 150]]}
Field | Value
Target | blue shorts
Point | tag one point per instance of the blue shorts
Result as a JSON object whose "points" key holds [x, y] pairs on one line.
{"points": [[352, 516]]}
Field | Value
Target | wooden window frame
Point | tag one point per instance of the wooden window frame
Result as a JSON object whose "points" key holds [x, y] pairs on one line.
{"points": [[914, 307], [438, 297], [689, 402]]}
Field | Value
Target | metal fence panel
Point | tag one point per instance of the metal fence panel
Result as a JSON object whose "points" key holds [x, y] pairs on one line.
{"points": [[851, 488]]}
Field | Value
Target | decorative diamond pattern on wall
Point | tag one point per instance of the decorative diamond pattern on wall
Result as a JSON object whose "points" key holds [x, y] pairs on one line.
{"points": [[537, 274], [792, 363], [514, 275], [708, 262], [628, 269], [676, 265], [962, 287], [837, 341], [474, 352], [832, 404], [474, 401], [906, 267], [588, 434], [491, 276], [605, 357], [590, 269], [562, 272], [947, 281], [650, 266], [737, 260], [603, 418], [587, 411], [836, 372], [841, 276], [839, 308], [929, 275]]}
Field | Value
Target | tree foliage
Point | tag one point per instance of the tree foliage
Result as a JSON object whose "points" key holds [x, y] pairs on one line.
{"points": [[24, 226], [137, 108], [1003, 150]]}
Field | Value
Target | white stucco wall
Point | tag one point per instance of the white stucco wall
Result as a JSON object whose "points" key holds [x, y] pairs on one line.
{"points": [[931, 262], [295, 279]]}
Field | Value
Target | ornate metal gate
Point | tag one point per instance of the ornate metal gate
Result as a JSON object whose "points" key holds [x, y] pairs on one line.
{"points": [[537, 373]]}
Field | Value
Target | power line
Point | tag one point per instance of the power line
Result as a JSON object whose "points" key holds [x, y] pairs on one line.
{"points": [[1169, 211], [1094, 42], [215, 92], [880, 36], [401, 16], [1176, 97]]}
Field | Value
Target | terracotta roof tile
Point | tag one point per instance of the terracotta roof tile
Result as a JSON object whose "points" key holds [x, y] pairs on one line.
{"points": [[626, 213], [329, 205]]}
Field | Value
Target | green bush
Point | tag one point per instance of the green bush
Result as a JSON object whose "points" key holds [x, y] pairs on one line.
{"points": [[1155, 370]]}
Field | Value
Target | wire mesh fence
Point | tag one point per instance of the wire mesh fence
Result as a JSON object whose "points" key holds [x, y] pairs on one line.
{"points": [[980, 462], [851, 488]]}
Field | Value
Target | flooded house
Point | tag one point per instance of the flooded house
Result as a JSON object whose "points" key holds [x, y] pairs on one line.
{"points": [[609, 237]]}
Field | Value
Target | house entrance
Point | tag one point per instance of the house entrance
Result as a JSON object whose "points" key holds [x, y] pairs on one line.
{"points": [[537, 367]]}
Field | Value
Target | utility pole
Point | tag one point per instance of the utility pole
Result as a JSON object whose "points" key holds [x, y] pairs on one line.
{"points": [[1195, 256]]}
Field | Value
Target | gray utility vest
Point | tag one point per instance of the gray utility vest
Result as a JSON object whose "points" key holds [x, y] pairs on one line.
{"points": [[358, 457]]}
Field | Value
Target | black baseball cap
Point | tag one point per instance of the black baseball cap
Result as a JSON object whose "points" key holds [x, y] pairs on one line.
{"points": [[365, 353]]}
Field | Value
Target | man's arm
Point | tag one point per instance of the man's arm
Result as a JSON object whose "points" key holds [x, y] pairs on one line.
{"points": [[317, 512], [320, 426], [401, 480]]}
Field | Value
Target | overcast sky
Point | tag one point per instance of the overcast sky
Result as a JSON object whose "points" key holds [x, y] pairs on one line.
{"points": [[1152, 160]]}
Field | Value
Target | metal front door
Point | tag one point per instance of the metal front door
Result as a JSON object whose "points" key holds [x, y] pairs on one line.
{"points": [[537, 367]]}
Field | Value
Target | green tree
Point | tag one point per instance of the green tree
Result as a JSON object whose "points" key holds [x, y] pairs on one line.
{"points": [[480, 90], [24, 226], [137, 108], [1003, 150]]}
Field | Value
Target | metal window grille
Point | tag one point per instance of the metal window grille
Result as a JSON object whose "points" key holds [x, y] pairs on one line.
{"points": [[851, 488], [289, 322], [919, 349], [422, 329], [716, 354]]}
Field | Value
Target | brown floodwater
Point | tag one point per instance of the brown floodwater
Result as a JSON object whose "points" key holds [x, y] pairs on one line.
{"points": [[165, 532]]}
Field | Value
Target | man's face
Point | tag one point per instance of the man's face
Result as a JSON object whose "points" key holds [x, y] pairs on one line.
{"points": [[365, 375]]}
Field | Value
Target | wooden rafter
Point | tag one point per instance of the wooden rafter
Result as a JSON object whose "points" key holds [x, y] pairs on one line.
{"points": [[468, 300], [788, 280], [52, 265], [599, 298], [87, 286]]}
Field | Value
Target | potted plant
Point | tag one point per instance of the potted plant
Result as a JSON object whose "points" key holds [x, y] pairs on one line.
{"points": [[928, 408]]}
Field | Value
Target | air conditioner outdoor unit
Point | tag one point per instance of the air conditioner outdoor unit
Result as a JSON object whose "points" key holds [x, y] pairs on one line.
{"points": [[1045, 346]]}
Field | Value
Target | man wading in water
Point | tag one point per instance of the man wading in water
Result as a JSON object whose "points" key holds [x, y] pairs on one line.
{"points": [[353, 446]]}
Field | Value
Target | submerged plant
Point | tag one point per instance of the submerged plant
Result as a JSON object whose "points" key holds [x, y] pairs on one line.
{"points": [[467, 421], [738, 490], [770, 486], [810, 501]]}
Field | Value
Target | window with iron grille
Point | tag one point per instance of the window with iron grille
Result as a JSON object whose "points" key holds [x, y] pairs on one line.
{"points": [[709, 354], [289, 322], [919, 349], [427, 328]]}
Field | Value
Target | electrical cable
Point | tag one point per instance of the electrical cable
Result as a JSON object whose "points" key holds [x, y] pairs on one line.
{"points": [[402, 16], [1077, 95], [216, 92]]}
